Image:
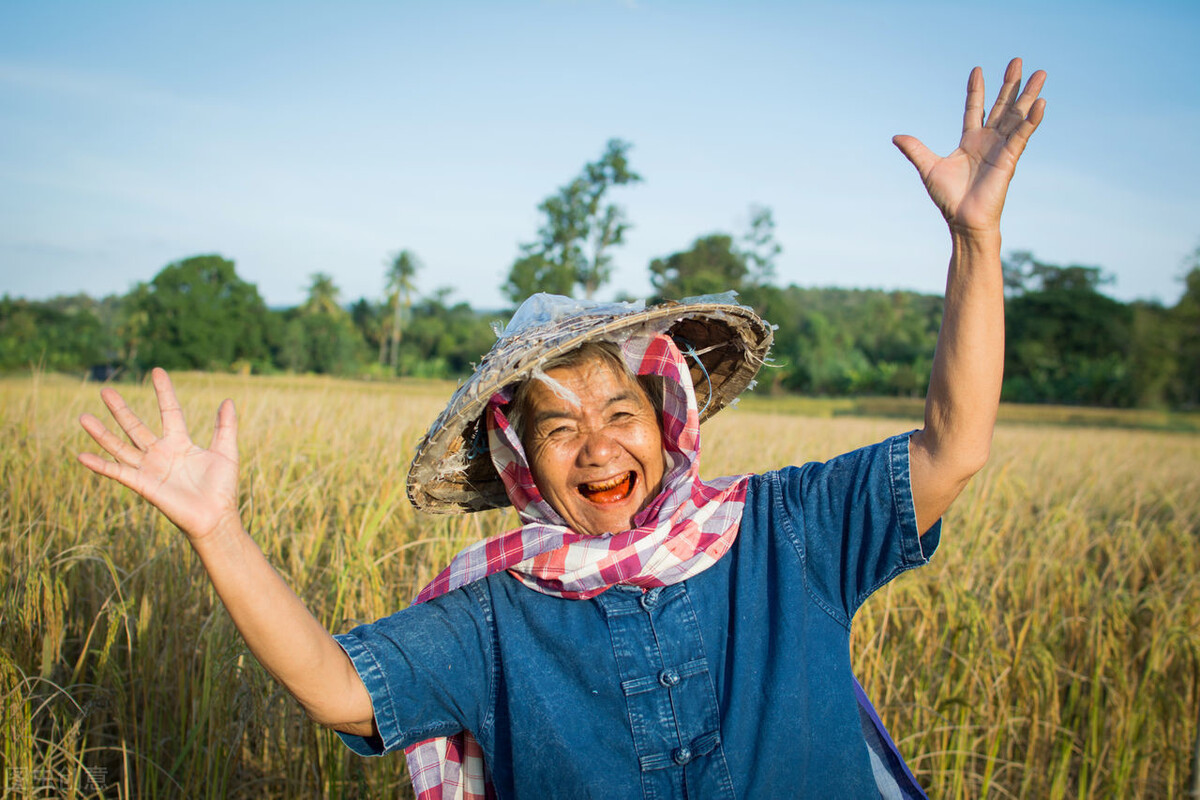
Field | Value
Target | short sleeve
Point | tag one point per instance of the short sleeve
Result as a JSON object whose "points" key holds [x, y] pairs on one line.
{"points": [[858, 524], [428, 670]]}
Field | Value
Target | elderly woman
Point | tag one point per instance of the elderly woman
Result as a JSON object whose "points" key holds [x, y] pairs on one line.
{"points": [[644, 632]]}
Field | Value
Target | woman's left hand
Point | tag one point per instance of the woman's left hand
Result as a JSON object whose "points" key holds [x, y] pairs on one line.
{"points": [[968, 186]]}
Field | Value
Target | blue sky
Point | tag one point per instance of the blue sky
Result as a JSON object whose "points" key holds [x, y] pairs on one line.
{"points": [[302, 137]]}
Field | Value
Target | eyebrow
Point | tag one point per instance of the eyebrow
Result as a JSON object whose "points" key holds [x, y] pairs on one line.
{"points": [[549, 414]]}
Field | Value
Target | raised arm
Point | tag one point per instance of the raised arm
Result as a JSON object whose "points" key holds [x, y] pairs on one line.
{"points": [[969, 186], [197, 490]]}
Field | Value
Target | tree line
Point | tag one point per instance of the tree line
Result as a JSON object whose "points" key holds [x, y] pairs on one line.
{"points": [[1068, 342], [199, 314]]}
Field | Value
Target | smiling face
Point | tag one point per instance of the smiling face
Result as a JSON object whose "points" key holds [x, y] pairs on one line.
{"points": [[599, 462]]}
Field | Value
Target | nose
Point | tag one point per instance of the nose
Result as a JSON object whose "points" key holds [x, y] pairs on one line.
{"points": [[598, 448]]}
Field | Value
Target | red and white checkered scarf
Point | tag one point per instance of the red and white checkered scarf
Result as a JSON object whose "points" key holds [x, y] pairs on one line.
{"points": [[683, 532]]}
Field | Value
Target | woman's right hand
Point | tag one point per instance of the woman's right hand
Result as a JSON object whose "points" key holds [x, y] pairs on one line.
{"points": [[195, 488]]}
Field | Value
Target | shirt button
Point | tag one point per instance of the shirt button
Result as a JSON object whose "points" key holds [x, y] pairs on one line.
{"points": [[649, 599], [668, 677], [682, 756]]}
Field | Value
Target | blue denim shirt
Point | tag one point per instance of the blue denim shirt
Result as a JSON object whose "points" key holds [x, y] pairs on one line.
{"points": [[734, 683]]}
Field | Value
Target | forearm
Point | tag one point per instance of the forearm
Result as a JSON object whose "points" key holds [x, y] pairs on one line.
{"points": [[968, 369], [281, 632], [968, 365]]}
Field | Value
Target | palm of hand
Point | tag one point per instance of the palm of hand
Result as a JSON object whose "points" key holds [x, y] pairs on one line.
{"points": [[196, 488], [969, 185]]}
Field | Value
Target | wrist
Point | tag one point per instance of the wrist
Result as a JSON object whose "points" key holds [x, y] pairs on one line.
{"points": [[226, 533], [975, 240]]}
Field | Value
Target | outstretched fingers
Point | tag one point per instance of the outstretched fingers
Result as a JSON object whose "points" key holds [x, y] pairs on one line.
{"points": [[137, 431], [1018, 138], [168, 404], [112, 444], [917, 153], [1024, 115], [1025, 105], [224, 438], [973, 113], [122, 473], [1004, 98], [968, 185]]}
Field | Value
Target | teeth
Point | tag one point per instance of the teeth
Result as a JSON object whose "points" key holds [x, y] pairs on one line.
{"points": [[609, 484]]}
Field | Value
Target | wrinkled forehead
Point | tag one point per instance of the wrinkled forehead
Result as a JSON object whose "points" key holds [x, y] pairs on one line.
{"points": [[592, 376], [555, 385]]}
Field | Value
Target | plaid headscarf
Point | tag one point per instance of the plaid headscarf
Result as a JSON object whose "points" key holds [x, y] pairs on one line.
{"points": [[681, 533]]}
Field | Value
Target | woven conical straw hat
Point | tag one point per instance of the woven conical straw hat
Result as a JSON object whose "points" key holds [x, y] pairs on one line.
{"points": [[452, 470]]}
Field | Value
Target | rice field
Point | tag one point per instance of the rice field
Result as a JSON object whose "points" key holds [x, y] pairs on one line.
{"points": [[1051, 650]]}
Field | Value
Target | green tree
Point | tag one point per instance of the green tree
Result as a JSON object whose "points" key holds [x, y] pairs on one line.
{"points": [[1067, 342], [132, 325], [716, 264], [371, 321], [401, 285], [198, 314], [320, 335], [66, 333], [323, 296], [1153, 356], [293, 350], [533, 272], [759, 247], [846, 341], [1185, 320], [712, 265], [444, 339], [575, 241]]}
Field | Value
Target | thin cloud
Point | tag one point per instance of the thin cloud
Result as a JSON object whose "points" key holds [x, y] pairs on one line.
{"points": [[93, 87]]}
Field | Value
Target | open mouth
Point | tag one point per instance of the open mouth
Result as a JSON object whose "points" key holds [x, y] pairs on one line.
{"points": [[610, 491]]}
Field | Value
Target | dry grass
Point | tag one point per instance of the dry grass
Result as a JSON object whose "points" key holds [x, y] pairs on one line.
{"points": [[1051, 650]]}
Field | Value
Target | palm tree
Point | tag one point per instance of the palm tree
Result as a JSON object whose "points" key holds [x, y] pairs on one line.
{"points": [[322, 296], [402, 269]]}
